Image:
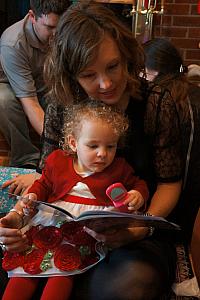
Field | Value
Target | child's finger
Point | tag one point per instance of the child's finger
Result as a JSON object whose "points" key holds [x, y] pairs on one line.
{"points": [[133, 207], [29, 199], [128, 200], [25, 199], [28, 203]]}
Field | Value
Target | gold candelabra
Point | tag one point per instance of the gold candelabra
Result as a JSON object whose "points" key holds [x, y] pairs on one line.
{"points": [[142, 17]]}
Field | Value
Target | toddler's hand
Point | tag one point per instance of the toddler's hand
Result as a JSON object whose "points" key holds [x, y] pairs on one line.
{"points": [[134, 200]]}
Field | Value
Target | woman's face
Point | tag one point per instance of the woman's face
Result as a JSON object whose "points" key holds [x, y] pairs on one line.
{"points": [[105, 79]]}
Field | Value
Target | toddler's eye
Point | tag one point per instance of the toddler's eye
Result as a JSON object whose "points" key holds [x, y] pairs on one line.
{"points": [[112, 146], [92, 146]]}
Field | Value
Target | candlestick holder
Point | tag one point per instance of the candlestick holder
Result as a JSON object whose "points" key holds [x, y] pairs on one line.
{"points": [[142, 13]]}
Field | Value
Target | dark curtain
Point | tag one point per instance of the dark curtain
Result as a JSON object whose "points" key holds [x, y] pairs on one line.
{"points": [[12, 11]]}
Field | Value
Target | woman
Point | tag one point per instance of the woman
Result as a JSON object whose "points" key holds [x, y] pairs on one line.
{"points": [[95, 55], [164, 67]]}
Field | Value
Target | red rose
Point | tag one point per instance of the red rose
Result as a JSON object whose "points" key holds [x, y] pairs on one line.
{"points": [[69, 229], [12, 260], [33, 260], [48, 237], [67, 258], [31, 232]]}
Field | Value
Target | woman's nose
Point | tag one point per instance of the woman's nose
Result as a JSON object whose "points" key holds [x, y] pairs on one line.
{"points": [[53, 31], [105, 82]]}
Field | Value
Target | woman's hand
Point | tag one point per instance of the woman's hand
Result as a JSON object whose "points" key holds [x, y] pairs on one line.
{"points": [[20, 183], [115, 238], [10, 235]]}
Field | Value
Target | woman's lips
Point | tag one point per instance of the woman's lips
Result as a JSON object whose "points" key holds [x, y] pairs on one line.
{"points": [[108, 94]]}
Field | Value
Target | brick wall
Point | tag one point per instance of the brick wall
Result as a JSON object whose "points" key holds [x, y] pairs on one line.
{"points": [[181, 24]]}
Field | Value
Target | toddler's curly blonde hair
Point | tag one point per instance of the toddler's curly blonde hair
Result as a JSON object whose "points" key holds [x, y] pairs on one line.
{"points": [[92, 110]]}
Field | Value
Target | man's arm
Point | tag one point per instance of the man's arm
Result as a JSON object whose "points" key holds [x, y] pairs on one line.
{"points": [[34, 112]]}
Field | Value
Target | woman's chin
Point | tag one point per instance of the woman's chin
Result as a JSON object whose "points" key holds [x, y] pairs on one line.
{"points": [[110, 101]]}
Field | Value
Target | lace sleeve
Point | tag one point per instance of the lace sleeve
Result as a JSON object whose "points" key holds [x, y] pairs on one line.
{"points": [[52, 132], [162, 125]]}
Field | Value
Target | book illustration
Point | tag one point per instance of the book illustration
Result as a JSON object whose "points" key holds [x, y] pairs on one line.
{"points": [[60, 246], [53, 252]]}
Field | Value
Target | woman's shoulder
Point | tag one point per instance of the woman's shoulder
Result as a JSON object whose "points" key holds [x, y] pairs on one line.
{"points": [[152, 91]]}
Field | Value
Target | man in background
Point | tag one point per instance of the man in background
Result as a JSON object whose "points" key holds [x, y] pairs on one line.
{"points": [[23, 48]]}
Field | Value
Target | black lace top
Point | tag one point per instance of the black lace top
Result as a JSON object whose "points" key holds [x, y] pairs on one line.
{"points": [[158, 131]]}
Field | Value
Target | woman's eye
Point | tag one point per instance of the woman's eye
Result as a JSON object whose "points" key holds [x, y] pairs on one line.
{"points": [[114, 66], [90, 75]]}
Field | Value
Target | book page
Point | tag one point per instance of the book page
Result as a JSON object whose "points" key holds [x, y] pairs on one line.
{"points": [[59, 244]]}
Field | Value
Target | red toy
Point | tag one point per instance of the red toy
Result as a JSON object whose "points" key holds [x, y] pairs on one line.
{"points": [[117, 193]]}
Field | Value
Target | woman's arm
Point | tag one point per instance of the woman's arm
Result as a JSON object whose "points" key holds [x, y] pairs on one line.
{"points": [[165, 198], [162, 125]]}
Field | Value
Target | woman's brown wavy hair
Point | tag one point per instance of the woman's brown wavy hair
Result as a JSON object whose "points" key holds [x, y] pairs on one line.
{"points": [[79, 32]]}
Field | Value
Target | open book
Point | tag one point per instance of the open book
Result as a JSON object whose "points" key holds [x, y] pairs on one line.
{"points": [[59, 244], [101, 220]]}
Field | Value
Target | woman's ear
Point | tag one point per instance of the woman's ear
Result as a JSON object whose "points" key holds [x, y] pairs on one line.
{"points": [[32, 16], [71, 140]]}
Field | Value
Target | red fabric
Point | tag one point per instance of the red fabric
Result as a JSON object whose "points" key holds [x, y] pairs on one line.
{"points": [[58, 178], [20, 288], [58, 288], [86, 201], [23, 288]]}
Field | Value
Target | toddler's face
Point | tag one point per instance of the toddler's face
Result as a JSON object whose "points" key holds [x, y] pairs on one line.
{"points": [[95, 146]]}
